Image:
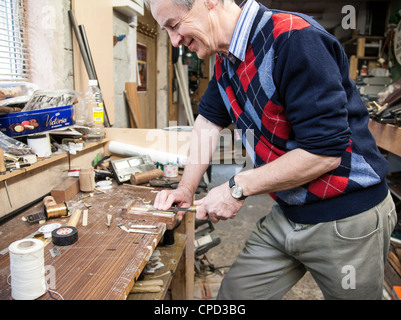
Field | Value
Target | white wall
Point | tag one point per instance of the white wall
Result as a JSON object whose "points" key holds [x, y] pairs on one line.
{"points": [[50, 44]]}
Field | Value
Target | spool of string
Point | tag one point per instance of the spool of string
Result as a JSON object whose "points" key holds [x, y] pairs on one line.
{"points": [[56, 211], [27, 269]]}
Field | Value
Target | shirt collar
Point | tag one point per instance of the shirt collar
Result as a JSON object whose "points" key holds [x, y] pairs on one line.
{"points": [[239, 40]]}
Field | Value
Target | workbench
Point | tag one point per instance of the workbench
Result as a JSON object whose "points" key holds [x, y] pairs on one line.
{"points": [[105, 262]]}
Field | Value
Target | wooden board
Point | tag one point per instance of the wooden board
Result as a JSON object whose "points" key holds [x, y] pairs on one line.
{"points": [[104, 263], [386, 136], [132, 211], [133, 101]]}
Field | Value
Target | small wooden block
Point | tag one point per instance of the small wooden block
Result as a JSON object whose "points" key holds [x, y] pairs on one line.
{"points": [[66, 190]]}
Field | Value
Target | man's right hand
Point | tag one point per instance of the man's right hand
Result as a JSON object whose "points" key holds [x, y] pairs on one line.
{"points": [[181, 197]]}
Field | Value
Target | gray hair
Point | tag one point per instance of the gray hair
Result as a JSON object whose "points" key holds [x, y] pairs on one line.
{"points": [[187, 4]]}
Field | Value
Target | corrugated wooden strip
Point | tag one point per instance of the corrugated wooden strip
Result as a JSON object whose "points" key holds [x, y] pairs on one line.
{"points": [[105, 262]]}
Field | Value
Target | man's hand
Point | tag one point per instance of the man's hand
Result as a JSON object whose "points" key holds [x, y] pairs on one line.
{"points": [[181, 197], [218, 205]]}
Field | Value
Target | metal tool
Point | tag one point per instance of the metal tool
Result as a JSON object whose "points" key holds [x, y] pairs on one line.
{"points": [[163, 183], [176, 209], [173, 184]]}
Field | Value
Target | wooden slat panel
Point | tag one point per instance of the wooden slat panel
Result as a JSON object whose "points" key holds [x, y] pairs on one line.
{"points": [[105, 262]]}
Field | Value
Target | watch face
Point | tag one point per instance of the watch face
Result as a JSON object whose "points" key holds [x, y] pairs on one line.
{"points": [[236, 192]]}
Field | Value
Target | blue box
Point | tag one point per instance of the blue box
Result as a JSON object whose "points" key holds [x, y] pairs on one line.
{"points": [[29, 122]]}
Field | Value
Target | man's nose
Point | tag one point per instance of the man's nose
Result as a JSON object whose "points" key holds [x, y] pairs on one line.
{"points": [[176, 39]]}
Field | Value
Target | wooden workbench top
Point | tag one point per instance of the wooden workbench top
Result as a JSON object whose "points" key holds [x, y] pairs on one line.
{"points": [[104, 263]]}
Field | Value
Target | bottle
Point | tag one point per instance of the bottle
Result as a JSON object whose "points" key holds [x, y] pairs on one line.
{"points": [[94, 105], [81, 113]]}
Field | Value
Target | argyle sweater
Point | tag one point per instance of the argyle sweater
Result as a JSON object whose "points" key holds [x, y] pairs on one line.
{"points": [[293, 91]]}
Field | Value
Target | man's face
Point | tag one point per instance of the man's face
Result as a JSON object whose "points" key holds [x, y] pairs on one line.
{"points": [[189, 28]]}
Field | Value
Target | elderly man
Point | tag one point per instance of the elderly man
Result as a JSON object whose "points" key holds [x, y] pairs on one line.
{"points": [[283, 81]]}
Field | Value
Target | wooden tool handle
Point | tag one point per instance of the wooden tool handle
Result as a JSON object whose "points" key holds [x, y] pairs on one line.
{"points": [[144, 177], [73, 222], [2, 164]]}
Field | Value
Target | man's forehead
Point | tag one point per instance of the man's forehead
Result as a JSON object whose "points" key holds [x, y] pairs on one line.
{"points": [[164, 12]]}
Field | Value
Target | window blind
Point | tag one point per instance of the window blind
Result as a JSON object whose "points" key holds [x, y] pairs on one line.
{"points": [[13, 52]]}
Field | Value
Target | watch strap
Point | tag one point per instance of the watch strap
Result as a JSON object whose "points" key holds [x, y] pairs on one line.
{"points": [[231, 182]]}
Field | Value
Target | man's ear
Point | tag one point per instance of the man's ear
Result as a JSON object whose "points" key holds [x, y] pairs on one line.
{"points": [[210, 4]]}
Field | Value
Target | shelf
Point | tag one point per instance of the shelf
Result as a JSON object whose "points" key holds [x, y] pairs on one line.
{"points": [[362, 43], [170, 257], [129, 8], [387, 136], [42, 163]]}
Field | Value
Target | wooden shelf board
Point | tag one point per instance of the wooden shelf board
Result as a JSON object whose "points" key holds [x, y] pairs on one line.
{"points": [[45, 162]]}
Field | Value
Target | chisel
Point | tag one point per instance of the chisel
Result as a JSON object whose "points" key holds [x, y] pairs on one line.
{"points": [[177, 209], [171, 209]]}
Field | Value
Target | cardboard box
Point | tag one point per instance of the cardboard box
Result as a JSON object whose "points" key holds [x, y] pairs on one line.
{"points": [[30, 122]]}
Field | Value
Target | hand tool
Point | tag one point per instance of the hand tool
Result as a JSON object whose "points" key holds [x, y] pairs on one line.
{"points": [[176, 209], [173, 184], [171, 209], [163, 183]]}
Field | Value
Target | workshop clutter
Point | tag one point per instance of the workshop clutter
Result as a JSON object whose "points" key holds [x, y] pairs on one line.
{"points": [[27, 113]]}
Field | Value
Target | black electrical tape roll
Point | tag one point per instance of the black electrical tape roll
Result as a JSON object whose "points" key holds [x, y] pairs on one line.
{"points": [[64, 236]]}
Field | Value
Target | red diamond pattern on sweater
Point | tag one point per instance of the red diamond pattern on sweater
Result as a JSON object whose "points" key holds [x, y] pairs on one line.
{"points": [[284, 22]]}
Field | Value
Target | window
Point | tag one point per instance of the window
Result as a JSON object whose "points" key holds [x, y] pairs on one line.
{"points": [[13, 53]]}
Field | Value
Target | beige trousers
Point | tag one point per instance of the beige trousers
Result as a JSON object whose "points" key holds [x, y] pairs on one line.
{"points": [[345, 257]]}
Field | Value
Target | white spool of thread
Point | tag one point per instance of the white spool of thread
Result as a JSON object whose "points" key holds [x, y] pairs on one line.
{"points": [[27, 269]]}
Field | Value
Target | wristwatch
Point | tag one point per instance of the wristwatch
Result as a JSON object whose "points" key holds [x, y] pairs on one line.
{"points": [[236, 191]]}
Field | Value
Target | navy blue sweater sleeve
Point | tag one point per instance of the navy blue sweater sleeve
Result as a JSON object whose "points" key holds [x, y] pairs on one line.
{"points": [[308, 77], [212, 106]]}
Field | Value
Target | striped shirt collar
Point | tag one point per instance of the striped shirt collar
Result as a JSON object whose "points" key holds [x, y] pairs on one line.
{"points": [[239, 40]]}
